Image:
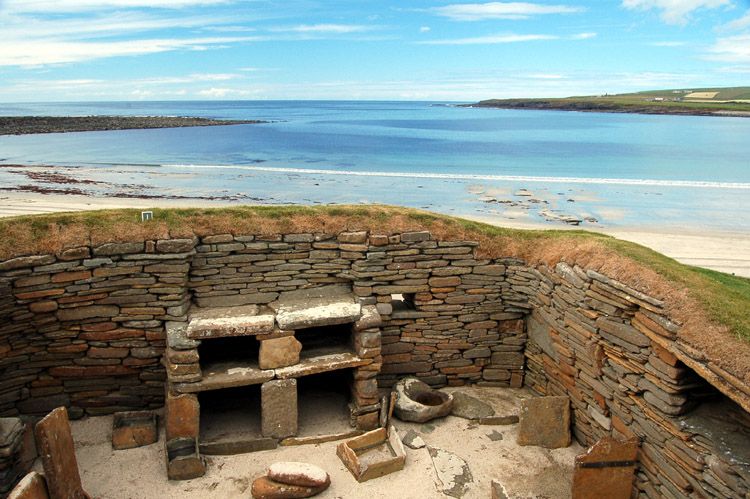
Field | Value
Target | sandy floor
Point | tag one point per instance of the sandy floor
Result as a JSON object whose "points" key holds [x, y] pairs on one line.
{"points": [[723, 251], [525, 471]]}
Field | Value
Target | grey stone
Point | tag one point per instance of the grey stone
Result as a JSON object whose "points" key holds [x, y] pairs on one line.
{"points": [[417, 402], [545, 422], [495, 436], [177, 336], [413, 440], [78, 313], [295, 311], [279, 408], [110, 249], [468, 407], [279, 352], [235, 300], [539, 333]]}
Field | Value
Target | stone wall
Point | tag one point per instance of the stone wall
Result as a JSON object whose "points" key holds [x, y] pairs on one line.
{"points": [[86, 328], [618, 358]]}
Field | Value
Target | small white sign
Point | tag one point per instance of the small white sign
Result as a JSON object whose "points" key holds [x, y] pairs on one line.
{"points": [[147, 215]]}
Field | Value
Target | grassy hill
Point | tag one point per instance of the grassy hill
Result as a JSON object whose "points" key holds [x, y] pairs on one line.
{"points": [[730, 101]]}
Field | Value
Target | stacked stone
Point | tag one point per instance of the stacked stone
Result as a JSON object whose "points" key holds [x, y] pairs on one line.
{"points": [[241, 270], [86, 327], [608, 348], [364, 407], [11, 444], [452, 326]]}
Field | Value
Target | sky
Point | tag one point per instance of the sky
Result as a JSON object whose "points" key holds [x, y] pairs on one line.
{"points": [[95, 50]]}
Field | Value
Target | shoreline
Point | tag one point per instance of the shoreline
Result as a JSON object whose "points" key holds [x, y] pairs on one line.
{"points": [[29, 125], [606, 107], [723, 251]]}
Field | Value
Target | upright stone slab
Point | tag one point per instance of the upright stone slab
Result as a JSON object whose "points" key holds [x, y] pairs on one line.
{"points": [[279, 352], [181, 416], [545, 422], [32, 486], [279, 408], [55, 443], [606, 470]]}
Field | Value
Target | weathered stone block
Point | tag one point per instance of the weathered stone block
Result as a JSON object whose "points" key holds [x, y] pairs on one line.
{"points": [[279, 408], [606, 470], [545, 422], [183, 459], [181, 416], [279, 352], [134, 429], [80, 313]]}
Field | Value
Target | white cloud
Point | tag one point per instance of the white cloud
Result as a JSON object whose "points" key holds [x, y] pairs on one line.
{"points": [[741, 23], [490, 40], [325, 28], [500, 10], [49, 6], [508, 38], [675, 11], [734, 49], [40, 52], [424, 29]]}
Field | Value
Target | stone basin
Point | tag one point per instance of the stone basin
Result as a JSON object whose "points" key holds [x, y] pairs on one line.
{"points": [[416, 401]]}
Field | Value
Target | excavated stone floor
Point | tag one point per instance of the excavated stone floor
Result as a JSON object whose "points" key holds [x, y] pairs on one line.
{"points": [[460, 459]]}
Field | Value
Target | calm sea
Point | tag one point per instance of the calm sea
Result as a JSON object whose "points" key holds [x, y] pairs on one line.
{"points": [[616, 169]]}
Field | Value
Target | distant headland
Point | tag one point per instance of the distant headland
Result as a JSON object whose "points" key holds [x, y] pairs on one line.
{"points": [[733, 101], [22, 125]]}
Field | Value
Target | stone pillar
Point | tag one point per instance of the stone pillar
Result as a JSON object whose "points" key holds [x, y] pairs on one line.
{"points": [[279, 408], [181, 416]]}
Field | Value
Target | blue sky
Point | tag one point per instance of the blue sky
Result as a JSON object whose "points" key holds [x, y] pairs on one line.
{"points": [[62, 50]]}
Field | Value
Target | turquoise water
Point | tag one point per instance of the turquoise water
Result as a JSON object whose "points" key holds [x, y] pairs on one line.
{"points": [[620, 169]]}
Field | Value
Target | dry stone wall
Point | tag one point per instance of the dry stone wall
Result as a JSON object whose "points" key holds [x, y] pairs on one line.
{"points": [[85, 328], [618, 358]]}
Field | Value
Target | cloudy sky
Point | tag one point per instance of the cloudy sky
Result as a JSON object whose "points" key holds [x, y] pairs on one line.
{"points": [[61, 50]]}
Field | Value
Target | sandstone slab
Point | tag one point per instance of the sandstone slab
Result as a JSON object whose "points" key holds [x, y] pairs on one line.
{"points": [[279, 408], [181, 416], [468, 407], [183, 459], [32, 486], [134, 429], [606, 469], [545, 422], [279, 352], [55, 444]]}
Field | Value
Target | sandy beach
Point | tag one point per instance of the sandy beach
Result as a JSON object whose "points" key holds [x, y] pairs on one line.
{"points": [[723, 251]]}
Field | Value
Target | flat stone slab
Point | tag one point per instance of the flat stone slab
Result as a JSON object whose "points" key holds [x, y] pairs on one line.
{"points": [[453, 473], [468, 407], [413, 440], [545, 422], [231, 447], [320, 364], [323, 306], [177, 336], [227, 375], [606, 470], [265, 488], [279, 408], [230, 321]]}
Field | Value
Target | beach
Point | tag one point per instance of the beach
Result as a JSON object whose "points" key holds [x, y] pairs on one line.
{"points": [[723, 251]]}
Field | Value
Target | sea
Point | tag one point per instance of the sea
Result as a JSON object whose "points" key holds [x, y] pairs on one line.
{"points": [[518, 166]]}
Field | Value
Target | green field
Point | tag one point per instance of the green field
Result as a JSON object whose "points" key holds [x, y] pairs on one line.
{"points": [[714, 101]]}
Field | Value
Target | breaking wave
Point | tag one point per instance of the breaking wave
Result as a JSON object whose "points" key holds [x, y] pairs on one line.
{"points": [[456, 176]]}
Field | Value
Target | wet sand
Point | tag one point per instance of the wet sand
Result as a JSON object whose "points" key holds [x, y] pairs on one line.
{"points": [[723, 251]]}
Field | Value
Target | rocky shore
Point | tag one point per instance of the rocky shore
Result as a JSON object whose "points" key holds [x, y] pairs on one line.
{"points": [[605, 106], [22, 125]]}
